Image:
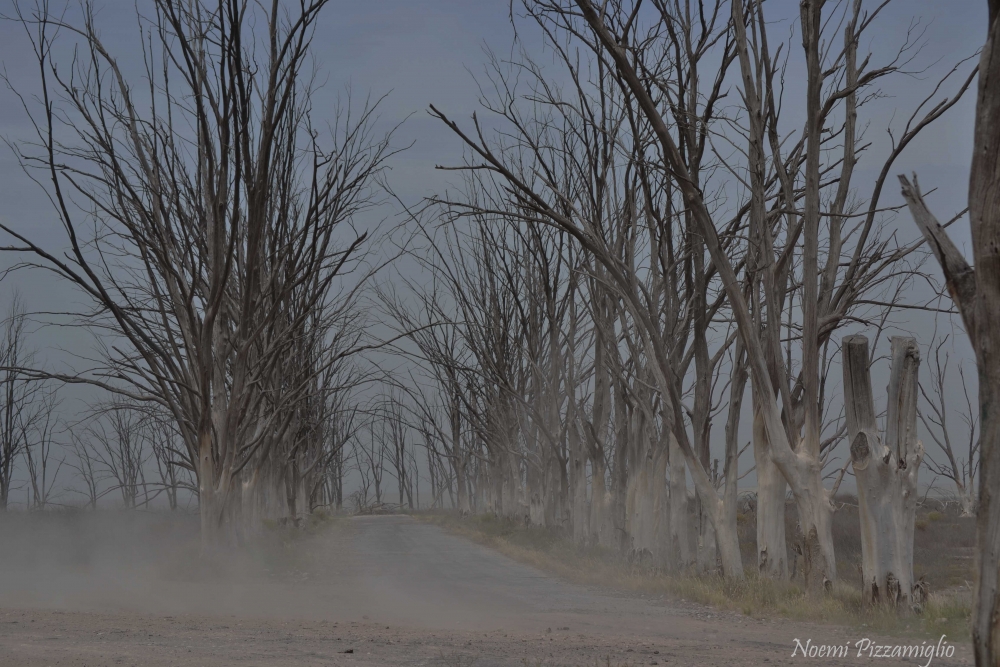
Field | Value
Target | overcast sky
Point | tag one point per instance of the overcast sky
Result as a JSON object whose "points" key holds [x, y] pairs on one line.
{"points": [[422, 52]]}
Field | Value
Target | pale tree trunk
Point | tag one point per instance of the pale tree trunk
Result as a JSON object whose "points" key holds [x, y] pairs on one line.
{"points": [[661, 506], [534, 487], [578, 485], [707, 551], [728, 542], [721, 512], [292, 497], [772, 548], [679, 538], [207, 505], [723, 520], [552, 486], [511, 485], [646, 483], [800, 467], [516, 486], [815, 511], [886, 470], [600, 531], [700, 416], [619, 480], [600, 528], [458, 459], [639, 502], [648, 509]]}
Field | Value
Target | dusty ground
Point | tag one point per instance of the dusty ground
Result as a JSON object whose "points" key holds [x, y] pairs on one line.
{"points": [[365, 591]]}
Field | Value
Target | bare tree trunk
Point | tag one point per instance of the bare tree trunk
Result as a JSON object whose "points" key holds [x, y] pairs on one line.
{"points": [[600, 530], [619, 478], [707, 555], [578, 485], [338, 479], [729, 543], [457, 457], [886, 471], [801, 469], [976, 292], [208, 508], [772, 548], [661, 507], [679, 527], [984, 216]]}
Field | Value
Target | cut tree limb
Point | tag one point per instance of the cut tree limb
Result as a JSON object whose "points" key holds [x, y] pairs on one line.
{"points": [[886, 471]]}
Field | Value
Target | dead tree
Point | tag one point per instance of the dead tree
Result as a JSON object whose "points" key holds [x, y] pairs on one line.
{"points": [[174, 476], [87, 468], [886, 466], [612, 219], [597, 427], [231, 203], [438, 342], [788, 406], [20, 397], [117, 432], [370, 453], [975, 290], [38, 449], [961, 470], [400, 450]]}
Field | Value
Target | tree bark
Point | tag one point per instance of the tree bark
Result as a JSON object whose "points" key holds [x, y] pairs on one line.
{"points": [[976, 292], [772, 547], [578, 485], [801, 467], [679, 537], [984, 218], [886, 471]]}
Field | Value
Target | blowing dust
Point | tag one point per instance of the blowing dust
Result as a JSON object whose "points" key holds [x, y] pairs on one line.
{"points": [[153, 563]]}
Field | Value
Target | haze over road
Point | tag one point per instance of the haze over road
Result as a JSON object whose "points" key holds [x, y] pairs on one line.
{"points": [[392, 589]]}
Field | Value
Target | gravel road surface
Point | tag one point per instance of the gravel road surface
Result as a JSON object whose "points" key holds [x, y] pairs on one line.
{"points": [[386, 590]]}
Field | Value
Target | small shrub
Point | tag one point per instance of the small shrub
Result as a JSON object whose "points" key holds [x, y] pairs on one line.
{"points": [[935, 516], [921, 524]]}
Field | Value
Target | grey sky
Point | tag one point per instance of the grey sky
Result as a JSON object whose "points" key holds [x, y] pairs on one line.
{"points": [[428, 52], [424, 52]]}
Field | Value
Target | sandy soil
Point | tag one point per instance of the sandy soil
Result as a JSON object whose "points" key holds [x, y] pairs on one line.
{"points": [[368, 591]]}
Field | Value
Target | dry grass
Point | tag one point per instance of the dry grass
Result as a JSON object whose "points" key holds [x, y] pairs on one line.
{"points": [[946, 612]]}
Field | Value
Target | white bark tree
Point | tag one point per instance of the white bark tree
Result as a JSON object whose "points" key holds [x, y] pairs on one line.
{"points": [[219, 214], [886, 466], [788, 405]]}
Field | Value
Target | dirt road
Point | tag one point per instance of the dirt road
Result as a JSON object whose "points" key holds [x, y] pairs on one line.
{"points": [[378, 591]]}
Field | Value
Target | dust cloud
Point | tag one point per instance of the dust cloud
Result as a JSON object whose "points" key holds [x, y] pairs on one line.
{"points": [[152, 563], [107, 588]]}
